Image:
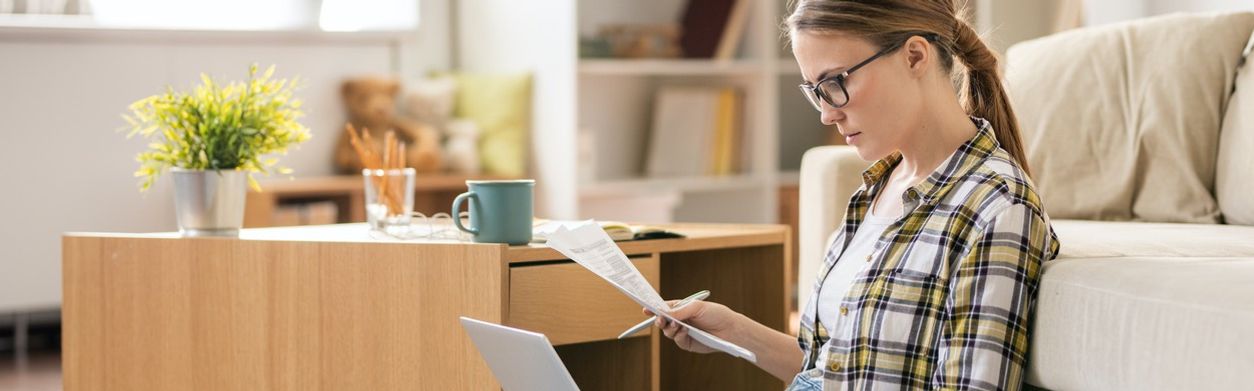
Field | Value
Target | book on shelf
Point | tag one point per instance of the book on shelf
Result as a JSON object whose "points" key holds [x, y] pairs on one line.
{"points": [[733, 31], [696, 131], [703, 24], [618, 231], [726, 133]]}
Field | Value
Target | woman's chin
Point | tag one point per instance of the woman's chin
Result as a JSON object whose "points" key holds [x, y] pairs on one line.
{"points": [[868, 154]]}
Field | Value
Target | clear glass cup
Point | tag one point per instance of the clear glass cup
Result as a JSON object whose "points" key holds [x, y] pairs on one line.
{"points": [[389, 200]]}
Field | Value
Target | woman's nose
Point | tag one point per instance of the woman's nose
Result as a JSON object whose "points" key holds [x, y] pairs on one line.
{"points": [[830, 115]]}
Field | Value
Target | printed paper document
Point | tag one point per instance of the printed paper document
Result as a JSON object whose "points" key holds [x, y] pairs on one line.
{"points": [[589, 246]]}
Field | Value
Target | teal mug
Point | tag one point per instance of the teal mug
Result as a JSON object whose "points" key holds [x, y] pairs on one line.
{"points": [[500, 210]]}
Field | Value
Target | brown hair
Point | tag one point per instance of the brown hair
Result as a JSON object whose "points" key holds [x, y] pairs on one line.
{"points": [[890, 22]]}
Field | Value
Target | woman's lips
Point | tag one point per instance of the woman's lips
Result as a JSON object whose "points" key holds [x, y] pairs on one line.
{"points": [[853, 136]]}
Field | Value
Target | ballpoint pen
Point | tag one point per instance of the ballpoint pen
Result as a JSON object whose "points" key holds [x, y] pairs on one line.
{"points": [[645, 324]]}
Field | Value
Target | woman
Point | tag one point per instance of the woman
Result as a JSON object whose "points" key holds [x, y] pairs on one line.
{"points": [[931, 281]]}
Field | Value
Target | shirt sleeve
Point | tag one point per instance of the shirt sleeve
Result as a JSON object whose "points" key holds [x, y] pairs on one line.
{"points": [[992, 291]]}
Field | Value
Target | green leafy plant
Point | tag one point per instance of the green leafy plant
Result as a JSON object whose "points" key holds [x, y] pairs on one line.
{"points": [[216, 127]]}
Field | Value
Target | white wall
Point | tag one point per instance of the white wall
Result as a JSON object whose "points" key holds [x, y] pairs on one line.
{"points": [[545, 47], [1167, 6], [1003, 23], [1098, 12], [1006, 22], [64, 168]]}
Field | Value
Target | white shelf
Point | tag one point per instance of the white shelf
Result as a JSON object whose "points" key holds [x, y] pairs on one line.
{"points": [[668, 67], [680, 184], [787, 66], [612, 100]]}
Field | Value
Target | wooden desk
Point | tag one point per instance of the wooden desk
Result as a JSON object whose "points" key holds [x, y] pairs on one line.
{"points": [[329, 308]]}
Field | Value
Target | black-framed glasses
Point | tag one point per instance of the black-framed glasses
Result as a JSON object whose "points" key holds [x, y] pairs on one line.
{"points": [[831, 90]]}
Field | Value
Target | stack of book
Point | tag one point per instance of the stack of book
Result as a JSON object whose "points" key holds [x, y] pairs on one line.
{"points": [[697, 131]]}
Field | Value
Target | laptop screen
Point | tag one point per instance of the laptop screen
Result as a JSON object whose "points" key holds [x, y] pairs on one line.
{"points": [[521, 360]]}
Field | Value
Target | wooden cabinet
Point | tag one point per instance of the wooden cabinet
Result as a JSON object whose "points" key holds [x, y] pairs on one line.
{"points": [[329, 308], [789, 214]]}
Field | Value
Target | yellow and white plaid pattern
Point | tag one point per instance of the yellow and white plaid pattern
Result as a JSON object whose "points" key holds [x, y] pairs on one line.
{"points": [[946, 299]]}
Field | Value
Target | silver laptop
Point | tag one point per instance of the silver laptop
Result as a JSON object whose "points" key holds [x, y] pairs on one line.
{"points": [[520, 359]]}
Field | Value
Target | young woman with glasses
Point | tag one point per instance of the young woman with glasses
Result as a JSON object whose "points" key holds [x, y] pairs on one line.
{"points": [[931, 281]]}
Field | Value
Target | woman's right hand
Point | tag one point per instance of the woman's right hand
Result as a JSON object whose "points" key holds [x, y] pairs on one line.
{"points": [[711, 317]]}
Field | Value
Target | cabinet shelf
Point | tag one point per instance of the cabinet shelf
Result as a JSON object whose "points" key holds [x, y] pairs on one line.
{"points": [[673, 67]]}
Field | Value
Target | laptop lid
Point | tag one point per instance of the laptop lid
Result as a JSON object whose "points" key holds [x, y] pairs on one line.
{"points": [[520, 359]]}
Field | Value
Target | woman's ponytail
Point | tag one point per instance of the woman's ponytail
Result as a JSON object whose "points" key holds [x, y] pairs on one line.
{"points": [[983, 94]]}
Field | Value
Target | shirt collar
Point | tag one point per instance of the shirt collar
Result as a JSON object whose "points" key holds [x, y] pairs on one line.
{"points": [[965, 158]]}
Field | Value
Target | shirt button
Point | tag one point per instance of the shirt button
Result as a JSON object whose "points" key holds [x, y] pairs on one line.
{"points": [[868, 258], [833, 366], [844, 310]]}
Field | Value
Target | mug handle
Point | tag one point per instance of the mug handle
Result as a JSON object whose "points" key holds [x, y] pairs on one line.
{"points": [[457, 206]]}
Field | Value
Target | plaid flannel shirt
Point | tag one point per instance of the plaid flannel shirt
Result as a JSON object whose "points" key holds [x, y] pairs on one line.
{"points": [[946, 298]]}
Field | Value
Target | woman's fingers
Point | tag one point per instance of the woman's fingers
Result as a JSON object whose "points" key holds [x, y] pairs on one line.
{"points": [[688, 311], [694, 313], [669, 328], [682, 339]]}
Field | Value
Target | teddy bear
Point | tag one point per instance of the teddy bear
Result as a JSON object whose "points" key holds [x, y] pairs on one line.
{"points": [[431, 101], [371, 103], [461, 146]]}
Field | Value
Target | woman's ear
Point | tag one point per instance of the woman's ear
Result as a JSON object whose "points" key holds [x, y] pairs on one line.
{"points": [[918, 55]]}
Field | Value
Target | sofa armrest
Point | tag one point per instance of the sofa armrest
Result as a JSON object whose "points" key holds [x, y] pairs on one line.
{"points": [[829, 176]]}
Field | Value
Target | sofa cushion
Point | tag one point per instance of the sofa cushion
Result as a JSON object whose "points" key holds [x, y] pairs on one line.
{"points": [[1142, 303], [1144, 323], [1107, 239], [1234, 171], [1121, 122]]}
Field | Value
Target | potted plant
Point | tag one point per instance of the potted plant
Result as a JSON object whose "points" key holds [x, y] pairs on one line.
{"points": [[212, 141]]}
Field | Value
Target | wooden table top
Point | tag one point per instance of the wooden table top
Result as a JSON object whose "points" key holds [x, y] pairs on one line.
{"points": [[700, 236]]}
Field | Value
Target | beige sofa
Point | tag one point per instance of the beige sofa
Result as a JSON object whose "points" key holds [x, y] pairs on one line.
{"points": [[1141, 138]]}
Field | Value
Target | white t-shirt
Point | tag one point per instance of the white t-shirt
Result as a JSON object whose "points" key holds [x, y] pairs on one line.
{"points": [[852, 261], [837, 282]]}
